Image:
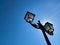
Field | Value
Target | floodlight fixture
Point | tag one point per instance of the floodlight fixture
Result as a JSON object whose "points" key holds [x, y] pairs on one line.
{"points": [[49, 27], [29, 17]]}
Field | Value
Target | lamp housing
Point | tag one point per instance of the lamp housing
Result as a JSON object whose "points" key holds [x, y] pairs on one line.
{"points": [[49, 27], [29, 17]]}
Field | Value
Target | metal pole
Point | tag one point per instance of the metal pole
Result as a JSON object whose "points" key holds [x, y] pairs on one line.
{"points": [[46, 38]]}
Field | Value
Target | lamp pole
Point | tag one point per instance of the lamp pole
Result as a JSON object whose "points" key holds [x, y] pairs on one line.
{"points": [[48, 27], [46, 38]]}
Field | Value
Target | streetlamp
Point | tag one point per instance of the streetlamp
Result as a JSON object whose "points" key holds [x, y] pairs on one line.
{"points": [[47, 28]]}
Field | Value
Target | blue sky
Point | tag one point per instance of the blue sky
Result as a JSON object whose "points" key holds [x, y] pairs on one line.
{"points": [[14, 30]]}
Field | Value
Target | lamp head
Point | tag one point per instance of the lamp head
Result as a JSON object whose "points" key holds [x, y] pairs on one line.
{"points": [[29, 17], [49, 27]]}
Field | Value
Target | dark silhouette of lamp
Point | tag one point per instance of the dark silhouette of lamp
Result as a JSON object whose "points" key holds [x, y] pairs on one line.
{"points": [[29, 17], [47, 28]]}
